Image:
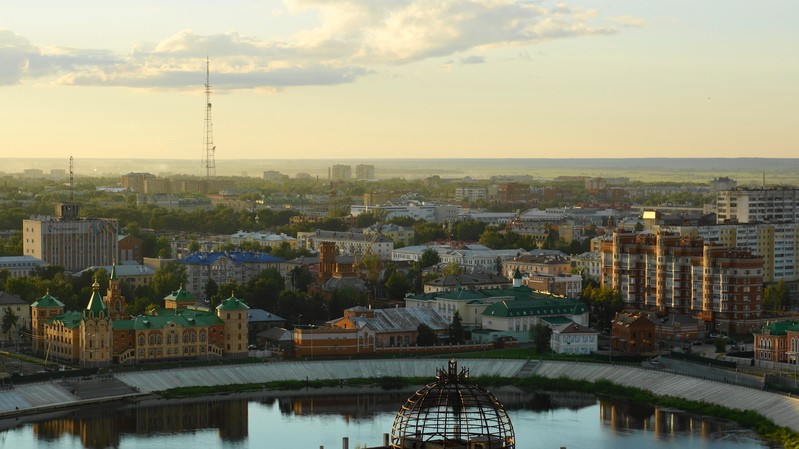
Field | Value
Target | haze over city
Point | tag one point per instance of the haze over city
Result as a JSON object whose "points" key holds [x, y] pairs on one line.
{"points": [[410, 79]]}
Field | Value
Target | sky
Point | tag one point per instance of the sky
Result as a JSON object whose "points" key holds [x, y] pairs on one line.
{"points": [[299, 79]]}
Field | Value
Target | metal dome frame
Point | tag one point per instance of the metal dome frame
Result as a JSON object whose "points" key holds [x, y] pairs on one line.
{"points": [[452, 413]]}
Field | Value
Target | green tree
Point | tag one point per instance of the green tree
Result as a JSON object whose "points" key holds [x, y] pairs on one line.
{"points": [[428, 258], [10, 320], [425, 336], [167, 279], [452, 269], [541, 335], [468, 230], [194, 246], [397, 285], [721, 344], [211, 288], [456, 333], [264, 289], [301, 278]]}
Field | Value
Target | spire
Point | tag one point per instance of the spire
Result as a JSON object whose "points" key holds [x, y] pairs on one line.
{"points": [[96, 303], [114, 270]]}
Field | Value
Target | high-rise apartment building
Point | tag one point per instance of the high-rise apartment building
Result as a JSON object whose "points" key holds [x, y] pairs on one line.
{"points": [[667, 273], [776, 243], [69, 241], [363, 171], [340, 172], [774, 205]]}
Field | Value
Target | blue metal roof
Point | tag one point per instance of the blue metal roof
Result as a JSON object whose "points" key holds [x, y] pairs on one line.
{"points": [[202, 258]]}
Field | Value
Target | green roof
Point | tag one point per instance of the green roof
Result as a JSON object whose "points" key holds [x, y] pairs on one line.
{"points": [[47, 301], [778, 328], [232, 303], [70, 320], [555, 320], [517, 274], [163, 317], [536, 307], [96, 303], [181, 295]]}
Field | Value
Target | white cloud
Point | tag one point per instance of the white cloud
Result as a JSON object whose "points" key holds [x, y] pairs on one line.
{"points": [[348, 39]]}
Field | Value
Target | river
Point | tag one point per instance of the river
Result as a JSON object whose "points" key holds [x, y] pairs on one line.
{"points": [[310, 420]]}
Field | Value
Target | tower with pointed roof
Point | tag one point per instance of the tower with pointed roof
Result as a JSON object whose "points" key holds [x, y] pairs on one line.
{"points": [[233, 312], [45, 308], [517, 278], [114, 300], [96, 330]]}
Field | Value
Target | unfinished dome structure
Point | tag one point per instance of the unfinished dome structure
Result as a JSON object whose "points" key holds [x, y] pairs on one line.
{"points": [[452, 413]]}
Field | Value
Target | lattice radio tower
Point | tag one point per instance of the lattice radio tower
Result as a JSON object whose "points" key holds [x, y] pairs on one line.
{"points": [[208, 138]]}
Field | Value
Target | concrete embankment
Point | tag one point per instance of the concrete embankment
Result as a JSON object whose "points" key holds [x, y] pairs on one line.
{"points": [[783, 410]]}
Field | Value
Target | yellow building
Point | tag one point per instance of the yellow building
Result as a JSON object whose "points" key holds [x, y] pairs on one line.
{"points": [[103, 333]]}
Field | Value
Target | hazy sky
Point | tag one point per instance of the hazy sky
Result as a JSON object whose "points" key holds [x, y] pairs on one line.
{"points": [[400, 78]]}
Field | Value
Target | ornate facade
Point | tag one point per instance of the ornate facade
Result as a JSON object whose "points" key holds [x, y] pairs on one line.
{"points": [[103, 334]]}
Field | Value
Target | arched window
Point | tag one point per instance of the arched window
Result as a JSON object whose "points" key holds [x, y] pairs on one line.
{"points": [[152, 339], [202, 336]]}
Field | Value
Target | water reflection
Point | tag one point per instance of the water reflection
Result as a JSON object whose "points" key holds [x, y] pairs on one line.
{"points": [[102, 427], [160, 421]]}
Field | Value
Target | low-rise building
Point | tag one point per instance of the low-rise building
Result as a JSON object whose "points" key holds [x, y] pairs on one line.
{"points": [[467, 281], [561, 284], [135, 275], [349, 243], [573, 338], [19, 266], [777, 343], [633, 333], [264, 239]]}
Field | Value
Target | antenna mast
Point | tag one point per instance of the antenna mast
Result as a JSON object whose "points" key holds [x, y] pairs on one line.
{"points": [[208, 139], [71, 188]]}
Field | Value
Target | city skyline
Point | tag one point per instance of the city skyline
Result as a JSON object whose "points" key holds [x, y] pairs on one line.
{"points": [[362, 79]]}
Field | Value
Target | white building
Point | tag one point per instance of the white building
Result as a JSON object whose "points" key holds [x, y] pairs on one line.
{"points": [[264, 239], [19, 266], [776, 243], [589, 264], [468, 256], [471, 194], [418, 211], [774, 205], [349, 243], [573, 338]]}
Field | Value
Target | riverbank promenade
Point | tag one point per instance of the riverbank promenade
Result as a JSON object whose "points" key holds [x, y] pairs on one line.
{"points": [[45, 396]]}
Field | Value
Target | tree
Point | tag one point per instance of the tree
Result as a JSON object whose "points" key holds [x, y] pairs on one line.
{"points": [[211, 288], [429, 258], [397, 285], [194, 246], [541, 334], [301, 278], [10, 320], [456, 334], [167, 279], [452, 269], [721, 344], [425, 336], [468, 230]]}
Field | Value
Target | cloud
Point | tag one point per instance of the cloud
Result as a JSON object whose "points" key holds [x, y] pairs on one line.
{"points": [[629, 21], [349, 40], [473, 60]]}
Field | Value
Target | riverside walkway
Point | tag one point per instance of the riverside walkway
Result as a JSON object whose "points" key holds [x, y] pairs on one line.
{"points": [[33, 398]]}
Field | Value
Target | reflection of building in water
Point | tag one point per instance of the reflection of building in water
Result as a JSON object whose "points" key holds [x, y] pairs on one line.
{"points": [[636, 416], [97, 428]]}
